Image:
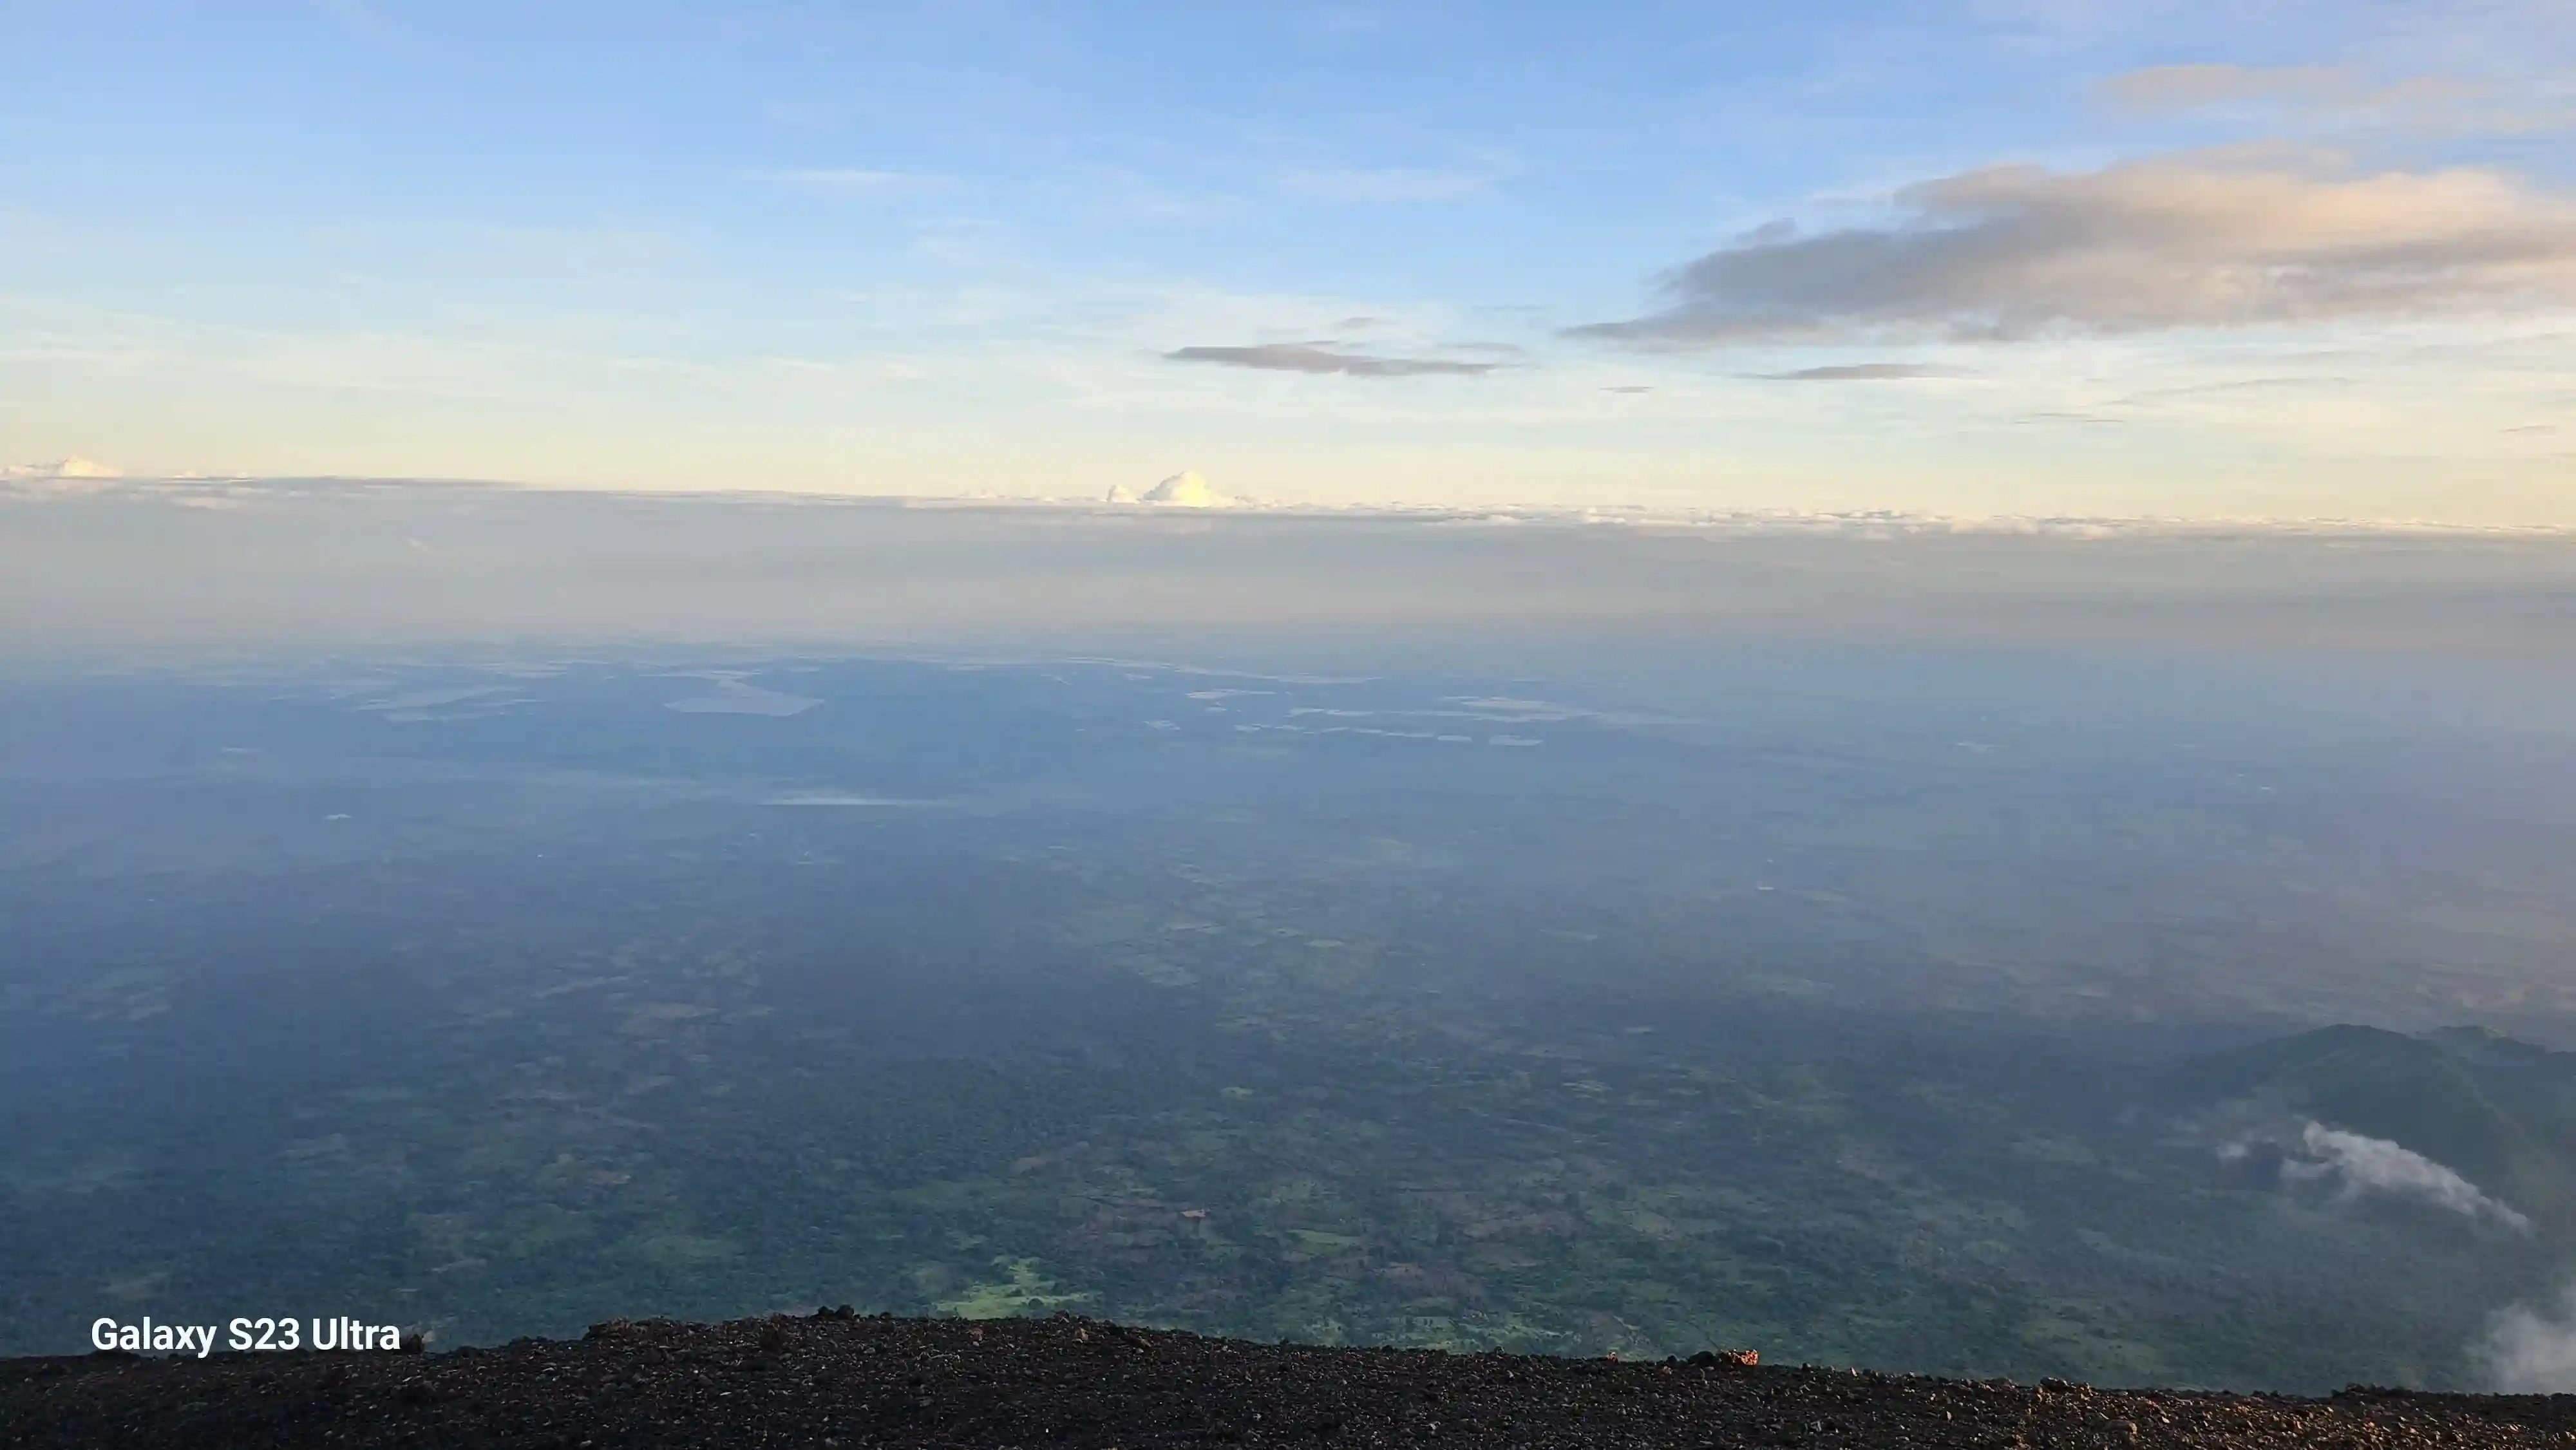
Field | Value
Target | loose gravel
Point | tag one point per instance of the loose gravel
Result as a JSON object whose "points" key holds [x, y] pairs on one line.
{"points": [[838, 1379]]}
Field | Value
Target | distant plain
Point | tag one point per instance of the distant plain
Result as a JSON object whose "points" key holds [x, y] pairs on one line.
{"points": [[1923, 1000]]}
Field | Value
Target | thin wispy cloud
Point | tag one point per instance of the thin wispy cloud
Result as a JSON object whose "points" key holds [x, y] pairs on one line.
{"points": [[2153, 396], [2334, 94], [1352, 186], [582, 249], [1869, 372], [849, 181], [2066, 415], [2169, 88], [2200, 240], [1307, 357], [359, 15]]}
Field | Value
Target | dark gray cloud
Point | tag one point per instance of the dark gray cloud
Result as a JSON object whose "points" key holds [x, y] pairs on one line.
{"points": [[1308, 357], [2196, 241], [1872, 372]]}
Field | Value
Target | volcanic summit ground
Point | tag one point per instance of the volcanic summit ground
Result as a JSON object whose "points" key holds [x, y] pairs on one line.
{"points": [[839, 1380]]}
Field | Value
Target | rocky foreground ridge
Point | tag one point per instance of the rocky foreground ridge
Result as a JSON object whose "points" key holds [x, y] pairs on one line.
{"points": [[838, 1379]]}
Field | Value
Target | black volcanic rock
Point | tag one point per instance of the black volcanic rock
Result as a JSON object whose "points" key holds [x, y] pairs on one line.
{"points": [[831, 1380]]}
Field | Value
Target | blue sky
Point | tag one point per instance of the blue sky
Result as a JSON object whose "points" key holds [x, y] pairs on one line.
{"points": [[2052, 257]]}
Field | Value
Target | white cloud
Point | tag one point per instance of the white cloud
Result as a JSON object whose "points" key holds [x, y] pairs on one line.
{"points": [[2358, 1166], [62, 476], [73, 467], [1182, 490], [1185, 490]]}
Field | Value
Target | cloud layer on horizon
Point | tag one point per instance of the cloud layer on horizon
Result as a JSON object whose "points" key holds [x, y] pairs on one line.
{"points": [[2200, 240]]}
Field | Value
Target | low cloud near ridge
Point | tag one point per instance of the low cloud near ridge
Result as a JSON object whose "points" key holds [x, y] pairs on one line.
{"points": [[1307, 357], [2198, 240], [2358, 1166], [2530, 1351]]}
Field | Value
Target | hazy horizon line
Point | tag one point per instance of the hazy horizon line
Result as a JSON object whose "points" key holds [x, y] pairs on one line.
{"points": [[42, 489]]}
